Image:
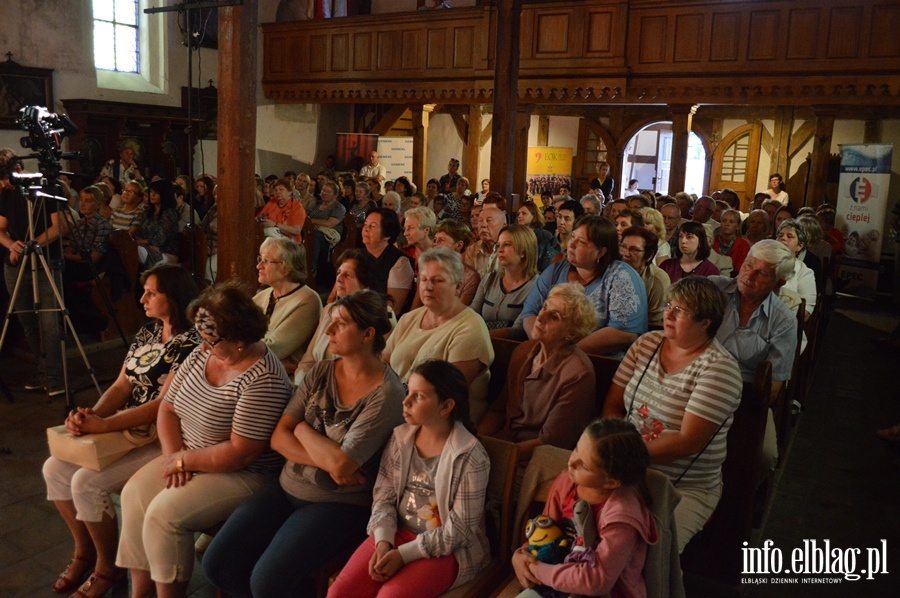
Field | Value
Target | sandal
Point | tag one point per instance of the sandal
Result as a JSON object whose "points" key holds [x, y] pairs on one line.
{"points": [[891, 434], [99, 584], [75, 573]]}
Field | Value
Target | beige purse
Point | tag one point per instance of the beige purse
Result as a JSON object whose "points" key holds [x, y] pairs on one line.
{"points": [[96, 451]]}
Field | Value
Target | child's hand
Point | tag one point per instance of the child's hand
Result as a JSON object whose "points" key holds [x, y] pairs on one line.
{"points": [[381, 549], [522, 561], [388, 565]]}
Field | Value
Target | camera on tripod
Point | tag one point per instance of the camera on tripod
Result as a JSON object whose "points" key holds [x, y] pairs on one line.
{"points": [[46, 130]]}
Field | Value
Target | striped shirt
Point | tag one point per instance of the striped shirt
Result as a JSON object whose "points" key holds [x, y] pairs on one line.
{"points": [[250, 405], [709, 387], [122, 220]]}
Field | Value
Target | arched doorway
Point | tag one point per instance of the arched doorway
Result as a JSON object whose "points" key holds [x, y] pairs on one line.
{"points": [[648, 156]]}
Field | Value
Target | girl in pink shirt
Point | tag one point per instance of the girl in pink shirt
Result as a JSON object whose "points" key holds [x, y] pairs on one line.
{"points": [[608, 470]]}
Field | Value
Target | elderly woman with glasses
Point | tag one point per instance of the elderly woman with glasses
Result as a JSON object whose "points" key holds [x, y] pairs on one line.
{"points": [[803, 280], [443, 328], [292, 308], [638, 249], [216, 418], [680, 387]]}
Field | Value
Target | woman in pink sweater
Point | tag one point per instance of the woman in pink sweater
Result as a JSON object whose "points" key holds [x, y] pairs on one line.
{"points": [[601, 501]]}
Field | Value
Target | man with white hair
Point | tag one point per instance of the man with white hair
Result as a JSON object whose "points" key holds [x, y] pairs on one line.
{"points": [[758, 326], [591, 205]]}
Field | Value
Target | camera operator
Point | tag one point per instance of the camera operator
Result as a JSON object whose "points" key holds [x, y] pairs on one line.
{"points": [[13, 234]]}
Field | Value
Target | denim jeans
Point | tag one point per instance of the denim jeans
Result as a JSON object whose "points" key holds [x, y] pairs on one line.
{"points": [[39, 328], [273, 543]]}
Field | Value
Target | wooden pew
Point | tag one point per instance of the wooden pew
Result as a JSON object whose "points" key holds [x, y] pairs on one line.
{"points": [[714, 554], [121, 285]]}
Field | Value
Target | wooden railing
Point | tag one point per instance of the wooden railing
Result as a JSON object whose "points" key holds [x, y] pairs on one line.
{"points": [[590, 51]]}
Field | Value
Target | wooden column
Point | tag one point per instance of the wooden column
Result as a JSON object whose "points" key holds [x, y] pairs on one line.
{"points": [[872, 134], [781, 141], [506, 80], [543, 132], [520, 158], [818, 170], [420, 116], [473, 147], [681, 129], [237, 141]]}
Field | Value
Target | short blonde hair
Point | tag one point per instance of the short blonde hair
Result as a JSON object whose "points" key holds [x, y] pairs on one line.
{"points": [[578, 307], [654, 218], [425, 216]]}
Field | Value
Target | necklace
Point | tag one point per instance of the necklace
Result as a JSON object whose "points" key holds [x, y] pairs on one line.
{"points": [[273, 299]]}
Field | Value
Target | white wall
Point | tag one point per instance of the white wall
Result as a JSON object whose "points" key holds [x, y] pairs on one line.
{"points": [[443, 143]]}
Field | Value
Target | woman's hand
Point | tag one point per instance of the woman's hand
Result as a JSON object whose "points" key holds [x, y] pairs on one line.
{"points": [[354, 479], [178, 479], [521, 562], [82, 420], [388, 565], [381, 549], [174, 477], [266, 223]]}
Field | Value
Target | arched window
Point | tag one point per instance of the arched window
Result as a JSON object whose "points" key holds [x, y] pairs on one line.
{"points": [[735, 162]]}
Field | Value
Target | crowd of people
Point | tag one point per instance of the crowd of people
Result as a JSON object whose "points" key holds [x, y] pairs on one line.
{"points": [[308, 432]]}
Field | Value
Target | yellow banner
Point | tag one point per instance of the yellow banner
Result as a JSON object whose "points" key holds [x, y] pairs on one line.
{"points": [[549, 168]]}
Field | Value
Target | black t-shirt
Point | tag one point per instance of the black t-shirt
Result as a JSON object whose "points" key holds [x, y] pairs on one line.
{"points": [[15, 210]]}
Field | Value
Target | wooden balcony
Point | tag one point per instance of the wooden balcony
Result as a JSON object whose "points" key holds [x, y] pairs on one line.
{"points": [[800, 52]]}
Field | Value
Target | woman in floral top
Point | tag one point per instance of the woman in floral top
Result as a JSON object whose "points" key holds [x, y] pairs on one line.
{"points": [[82, 495]]}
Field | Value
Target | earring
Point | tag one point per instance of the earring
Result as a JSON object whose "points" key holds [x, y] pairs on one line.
{"points": [[240, 348]]}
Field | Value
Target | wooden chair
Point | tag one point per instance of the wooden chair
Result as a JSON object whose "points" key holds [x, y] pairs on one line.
{"points": [[120, 283], [714, 554], [348, 240], [309, 242]]}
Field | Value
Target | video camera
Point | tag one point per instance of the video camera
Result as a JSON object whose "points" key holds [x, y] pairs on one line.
{"points": [[46, 130]]}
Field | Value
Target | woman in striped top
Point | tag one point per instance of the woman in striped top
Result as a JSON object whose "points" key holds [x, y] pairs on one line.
{"points": [[216, 418], [680, 387]]}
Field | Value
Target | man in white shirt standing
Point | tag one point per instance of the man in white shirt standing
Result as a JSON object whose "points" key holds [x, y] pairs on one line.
{"points": [[374, 170]]}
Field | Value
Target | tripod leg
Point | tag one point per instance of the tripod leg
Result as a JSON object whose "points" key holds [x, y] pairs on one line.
{"points": [[26, 316]]}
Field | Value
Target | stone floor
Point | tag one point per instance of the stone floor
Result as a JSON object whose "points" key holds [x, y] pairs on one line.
{"points": [[839, 483]]}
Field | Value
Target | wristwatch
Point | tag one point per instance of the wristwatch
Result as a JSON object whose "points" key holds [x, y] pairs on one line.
{"points": [[179, 463]]}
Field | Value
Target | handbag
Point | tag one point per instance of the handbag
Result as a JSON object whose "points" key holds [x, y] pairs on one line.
{"points": [[97, 451]]}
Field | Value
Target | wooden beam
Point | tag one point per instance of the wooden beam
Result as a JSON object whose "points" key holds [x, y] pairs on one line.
{"points": [[472, 152], [872, 134], [818, 170], [420, 118], [543, 132], [681, 130], [486, 132], [779, 156], [237, 142], [506, 81], [520, 167], [765, 140], [800, 138], [462, 127], [389, 119]]}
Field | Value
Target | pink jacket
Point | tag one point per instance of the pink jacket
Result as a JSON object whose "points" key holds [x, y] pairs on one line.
{"points": [[625, 528]]}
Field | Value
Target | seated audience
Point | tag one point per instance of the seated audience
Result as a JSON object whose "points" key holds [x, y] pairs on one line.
{"points": [[638, 248], [81, 495], [626, 219], [292, 308], [757, 223], [362, 204], [550, 386], [616, 290], [591, 204], [129, 216], [608, 471], [691, 254], [331, 434], [502, 293], [455, 235], [283, 215], [443, 328], [803, 280], [758, 326], [86, 242], [186, 214], [157, 234], [783, 213], [328, 216], [728, 241], [216, 417], [418, 228], [548, 247], [566, 215], [680, 388], [426, 532], [653, 221]]}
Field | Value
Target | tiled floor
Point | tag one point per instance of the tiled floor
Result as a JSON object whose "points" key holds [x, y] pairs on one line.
{"points": [[840, 483]]}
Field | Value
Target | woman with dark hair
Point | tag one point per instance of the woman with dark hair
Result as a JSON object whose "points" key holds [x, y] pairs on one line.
{"points": [[783, 213], [403, 187], [157, 235], [328, 216], [131, 403], [331, 434], [614, 288], [362, 204], [356, 272], [455, 235], [393, 269], [291, 307], [691, 254], [203, 199], [548, 247], [216, 417], [426, 532], [679, 387]]}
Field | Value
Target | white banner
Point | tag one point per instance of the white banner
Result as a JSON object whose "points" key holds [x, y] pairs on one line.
{"points": [[862, 203], [396, 153]]}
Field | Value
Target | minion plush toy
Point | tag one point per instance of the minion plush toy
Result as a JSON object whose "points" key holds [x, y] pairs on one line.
{"points": [[546, 540]]}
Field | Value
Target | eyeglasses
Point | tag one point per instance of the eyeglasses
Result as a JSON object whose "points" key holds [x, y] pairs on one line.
{"points": [[212, 344], [679, 312], [261, 260], [625, 249]]}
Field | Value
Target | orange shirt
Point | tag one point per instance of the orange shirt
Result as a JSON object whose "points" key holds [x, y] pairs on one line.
{"points": [[291, 214]]}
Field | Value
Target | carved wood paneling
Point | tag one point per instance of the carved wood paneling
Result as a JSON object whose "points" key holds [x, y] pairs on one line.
{"points": [[802, 52]]}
